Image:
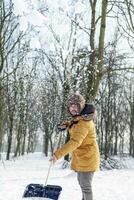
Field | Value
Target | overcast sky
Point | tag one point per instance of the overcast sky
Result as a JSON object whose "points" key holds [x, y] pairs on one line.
{"points": [[28, 10]]}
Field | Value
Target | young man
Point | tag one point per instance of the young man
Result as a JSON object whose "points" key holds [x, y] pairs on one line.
{"points": [[82, 144]]}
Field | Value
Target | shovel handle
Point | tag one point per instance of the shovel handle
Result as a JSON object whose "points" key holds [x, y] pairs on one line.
{"points": [[50, 165]]}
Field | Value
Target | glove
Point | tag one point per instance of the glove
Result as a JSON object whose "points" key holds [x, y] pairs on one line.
{"points": [[63, 126], [53, 159]]}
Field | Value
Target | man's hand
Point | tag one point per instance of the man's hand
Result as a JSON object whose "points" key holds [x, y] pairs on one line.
{"points": [[62, 127], [53, 159]]}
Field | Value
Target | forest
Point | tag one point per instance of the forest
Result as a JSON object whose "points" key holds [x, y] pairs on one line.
{"points": [[49, 49]]}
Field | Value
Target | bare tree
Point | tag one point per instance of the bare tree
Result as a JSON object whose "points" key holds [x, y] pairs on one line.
{"points": [[125, 20], [131, 117], [8, 41]]}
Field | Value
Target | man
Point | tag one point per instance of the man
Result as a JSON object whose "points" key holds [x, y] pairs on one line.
{"points": [[82, 144]]}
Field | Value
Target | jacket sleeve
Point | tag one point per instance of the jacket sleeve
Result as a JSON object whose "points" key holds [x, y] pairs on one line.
{"points": [[79, 132]]}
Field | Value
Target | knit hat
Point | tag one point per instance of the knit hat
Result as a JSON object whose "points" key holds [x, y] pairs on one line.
{"points": [[77, 99]]}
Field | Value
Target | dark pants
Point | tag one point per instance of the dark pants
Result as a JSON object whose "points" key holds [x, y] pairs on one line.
{"points": [[85, 181]]}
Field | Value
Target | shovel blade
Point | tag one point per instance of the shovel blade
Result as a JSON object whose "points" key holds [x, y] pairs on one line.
{"points": [[38, 190]]}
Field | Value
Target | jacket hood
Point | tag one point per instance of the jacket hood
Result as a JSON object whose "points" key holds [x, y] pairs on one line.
{"points": [[86, 114]]}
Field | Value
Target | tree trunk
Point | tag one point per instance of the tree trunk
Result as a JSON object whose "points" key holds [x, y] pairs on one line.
{"points": [[9, 142], [45, 143], [94, 70], [1, 118], [116, 140], [91, 66], [67, 139], [24, 143], [17, 150]]}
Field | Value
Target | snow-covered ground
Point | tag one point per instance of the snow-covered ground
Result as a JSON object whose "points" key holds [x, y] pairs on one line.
{"points": [[107, 185]]}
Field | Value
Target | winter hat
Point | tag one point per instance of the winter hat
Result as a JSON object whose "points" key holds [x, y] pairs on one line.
{"points": [[78, 99]]}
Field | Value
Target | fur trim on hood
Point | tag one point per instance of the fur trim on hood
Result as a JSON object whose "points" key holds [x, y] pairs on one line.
{"points": [[88, 112]]}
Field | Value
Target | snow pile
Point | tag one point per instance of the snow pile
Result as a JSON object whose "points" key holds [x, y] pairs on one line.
{"points": [[116, 162], [33, 168]]}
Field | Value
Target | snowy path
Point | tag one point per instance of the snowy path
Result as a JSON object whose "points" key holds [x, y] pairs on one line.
{"points": [[107, 185]]}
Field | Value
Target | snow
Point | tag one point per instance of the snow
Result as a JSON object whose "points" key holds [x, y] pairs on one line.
{"points": [[34, 43], [35, 18], [20, 7], [28, 14], [32, 168], [23, 23], [79, 7]]}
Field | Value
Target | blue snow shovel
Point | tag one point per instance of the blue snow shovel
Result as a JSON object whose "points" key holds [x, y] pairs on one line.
{"points": [[39, 190]]}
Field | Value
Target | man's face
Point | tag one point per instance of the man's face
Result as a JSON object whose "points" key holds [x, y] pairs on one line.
{"points": [[74, 109]]}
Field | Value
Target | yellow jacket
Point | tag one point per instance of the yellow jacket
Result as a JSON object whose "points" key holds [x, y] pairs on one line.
{"points": [[83, 145]]}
